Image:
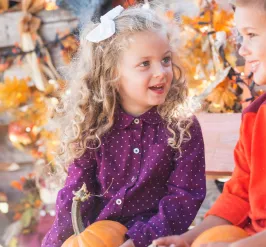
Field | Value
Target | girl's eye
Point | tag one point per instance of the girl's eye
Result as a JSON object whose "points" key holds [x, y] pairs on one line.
{"points": [[251, 35], [145, 64], [167, 60]]}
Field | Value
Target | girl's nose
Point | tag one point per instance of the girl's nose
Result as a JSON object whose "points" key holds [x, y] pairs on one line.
{"points": [[159, 72]]}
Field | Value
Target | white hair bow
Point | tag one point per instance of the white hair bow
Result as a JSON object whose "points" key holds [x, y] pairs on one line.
{"points": [[107, 26]]}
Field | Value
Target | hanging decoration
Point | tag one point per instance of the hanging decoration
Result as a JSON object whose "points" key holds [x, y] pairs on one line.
{"points": [[29, 26], [67, 42]]}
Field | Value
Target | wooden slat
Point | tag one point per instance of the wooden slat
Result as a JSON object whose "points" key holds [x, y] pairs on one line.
{"points": [[58, 15], [220, 132]]}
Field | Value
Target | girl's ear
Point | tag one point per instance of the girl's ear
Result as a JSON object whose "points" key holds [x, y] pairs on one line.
{"points": [[117, 80], [177, 72], [117, 85]]}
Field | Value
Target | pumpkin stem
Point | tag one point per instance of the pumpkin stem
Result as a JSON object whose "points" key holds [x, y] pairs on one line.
{"points": [[80, 196]]}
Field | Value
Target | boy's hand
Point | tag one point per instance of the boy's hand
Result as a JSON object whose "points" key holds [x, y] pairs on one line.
{"points": [[175, 240], [128, 243], [216, 245]]}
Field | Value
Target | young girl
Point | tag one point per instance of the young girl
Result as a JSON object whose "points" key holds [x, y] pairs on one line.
{"points": [[129, 132]]}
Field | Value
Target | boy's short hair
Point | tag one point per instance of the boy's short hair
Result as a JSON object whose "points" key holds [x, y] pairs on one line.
{"points": [[255, 3]]}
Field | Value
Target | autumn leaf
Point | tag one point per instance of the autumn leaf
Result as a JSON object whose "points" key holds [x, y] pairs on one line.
{"points": [[221, 98], [16, 185]]}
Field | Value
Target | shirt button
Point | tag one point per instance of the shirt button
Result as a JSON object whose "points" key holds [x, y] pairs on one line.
{"points": [[118, 201], [136, 150], [136, 121], [133, 179]]}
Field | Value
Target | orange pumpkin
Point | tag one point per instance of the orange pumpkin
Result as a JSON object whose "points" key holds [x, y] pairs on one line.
{"points": [[224, 233], [105, 233]]}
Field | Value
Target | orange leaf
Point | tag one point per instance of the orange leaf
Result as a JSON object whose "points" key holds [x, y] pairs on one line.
{"points": [[16, 185], [31, 175], [37, 203], [17, 216]]}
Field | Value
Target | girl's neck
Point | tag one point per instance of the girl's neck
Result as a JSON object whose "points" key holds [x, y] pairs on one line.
{"points": [[135, 111]]}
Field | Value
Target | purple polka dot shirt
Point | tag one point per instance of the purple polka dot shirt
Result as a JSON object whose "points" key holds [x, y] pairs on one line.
{"points": [[154, 191]]}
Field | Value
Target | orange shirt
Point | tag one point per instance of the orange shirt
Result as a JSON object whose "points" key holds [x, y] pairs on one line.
{"points": [[243, 201]]}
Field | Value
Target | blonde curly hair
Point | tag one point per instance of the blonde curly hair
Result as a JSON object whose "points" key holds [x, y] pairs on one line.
{"points": [[88, 112]]}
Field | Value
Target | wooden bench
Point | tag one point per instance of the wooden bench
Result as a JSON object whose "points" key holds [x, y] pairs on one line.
{"points": [[221, 133]]}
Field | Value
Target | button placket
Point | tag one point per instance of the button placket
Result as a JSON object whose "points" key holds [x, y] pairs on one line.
{"points": [[137, 150]]}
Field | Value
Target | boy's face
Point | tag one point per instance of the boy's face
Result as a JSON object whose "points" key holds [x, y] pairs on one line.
{"points": [[251, 23], [146, 72]]}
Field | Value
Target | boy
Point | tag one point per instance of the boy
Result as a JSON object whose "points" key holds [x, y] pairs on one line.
{"points": [[243, 201]]}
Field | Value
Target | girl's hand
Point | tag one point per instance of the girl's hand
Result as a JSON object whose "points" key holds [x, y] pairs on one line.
{"points": [[128, 243], [170, 241]]}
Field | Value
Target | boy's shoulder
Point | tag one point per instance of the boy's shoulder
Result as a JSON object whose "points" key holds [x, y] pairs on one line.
{"points": [[255, 106]]}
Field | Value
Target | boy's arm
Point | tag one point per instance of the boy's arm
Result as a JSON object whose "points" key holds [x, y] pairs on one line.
{"points": [[80, 171], [186, 191]]}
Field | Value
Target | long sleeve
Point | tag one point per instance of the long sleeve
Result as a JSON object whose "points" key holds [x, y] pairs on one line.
{"points": [[80, 171], [233, 204], [186, 191]]}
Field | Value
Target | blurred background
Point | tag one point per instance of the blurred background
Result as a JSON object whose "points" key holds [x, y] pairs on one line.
{"points": [[38, 39]]}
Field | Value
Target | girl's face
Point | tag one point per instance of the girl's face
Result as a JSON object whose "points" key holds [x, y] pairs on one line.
{"points": [[250, 22], [146, 72]]}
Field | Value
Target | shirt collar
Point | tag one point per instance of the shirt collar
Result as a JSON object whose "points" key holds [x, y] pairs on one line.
{"points": [[123, 119]]}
